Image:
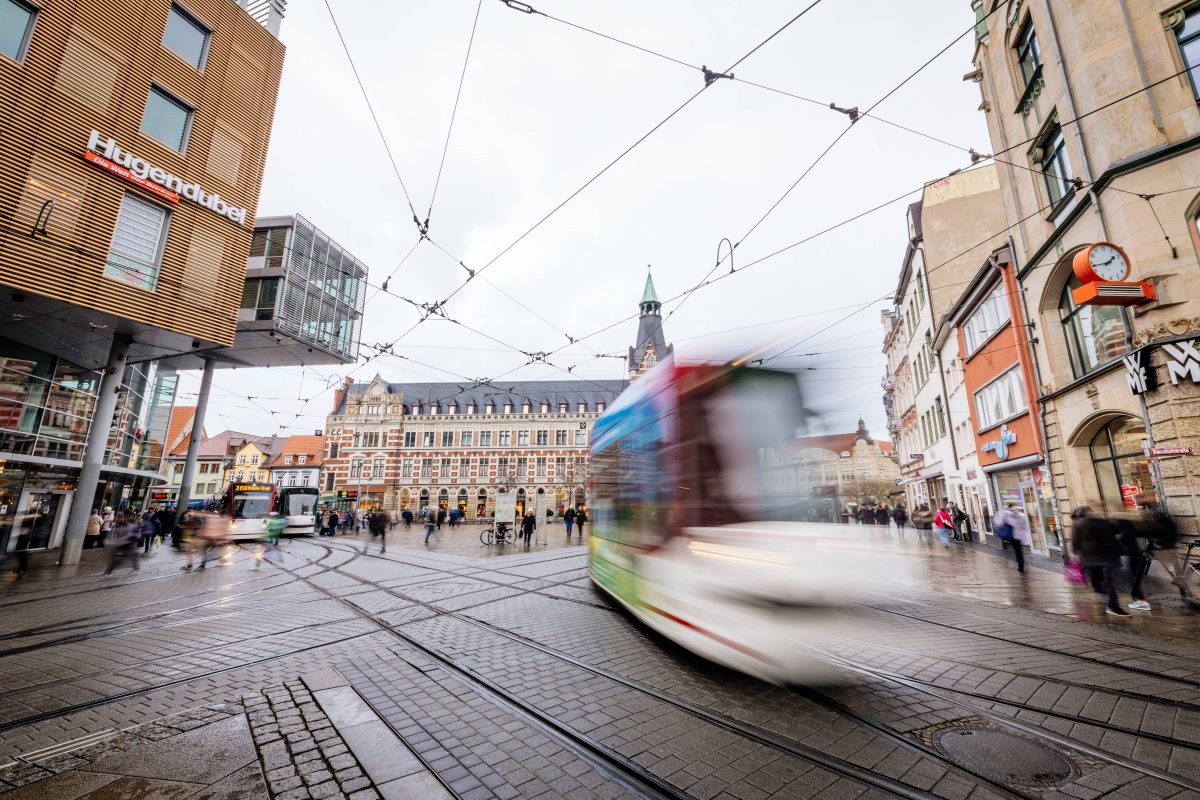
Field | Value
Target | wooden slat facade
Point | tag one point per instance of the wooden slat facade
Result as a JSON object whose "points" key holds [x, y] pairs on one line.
{"points": [[89, 66]]}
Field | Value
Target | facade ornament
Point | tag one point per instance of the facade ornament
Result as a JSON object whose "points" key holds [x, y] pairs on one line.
{"points": [[1093, 395], [1166, 330], [1172, 19]]}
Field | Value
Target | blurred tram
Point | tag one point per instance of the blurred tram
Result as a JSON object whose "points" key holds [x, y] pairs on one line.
{"points": [[702, 520], [299, 505]]}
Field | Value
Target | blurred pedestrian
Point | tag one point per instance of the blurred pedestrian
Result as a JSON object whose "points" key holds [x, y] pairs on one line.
{"points": [[1011, 527], [213, 534], [91, 536], [107, 520], [407, 516], [276, 524], [581, 519], [882, 518], [441, 517], [430, 527], [944, 525], [331, 522], [528, 524], [900, 517], [569, 519], [150, 529], [922, 518], [1094, 540], [127, 531], [1136, 563], [960, 523], [377, 524]]}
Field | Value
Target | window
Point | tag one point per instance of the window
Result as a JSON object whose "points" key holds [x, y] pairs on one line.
{"points": [[329, 481], [485, 438], [426, 467], [508, 408], [356, 467], [1094, 334], [545, 408], [452, 408], [483, 465], [166, 119], [406, 468], [410, 438], [505, 439], [581, 408], [269, 244], [433, 409], [287, 459], [560, 437], [490, 408], [523, 438], [447, 438], [427, 439], [16, 23], [921, 296], [301, 459], [137, 244], [241, 459], [562, 408], [525, 408], [543, 438], [940, 416], [1029, 56], [522, 467], [1000, 399], [445, 468], [600, 408], [1187, 35], [373, 410], [1122, 469], [502, 465], [466, 438], [541, 467], [186, 37], [1051, 158], [470, 408], [378, 467], [991, 315], [254, 459], [580, 438]]}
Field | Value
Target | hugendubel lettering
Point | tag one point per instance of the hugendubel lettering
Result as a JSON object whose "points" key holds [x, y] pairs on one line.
{"points": [[146, 171]]}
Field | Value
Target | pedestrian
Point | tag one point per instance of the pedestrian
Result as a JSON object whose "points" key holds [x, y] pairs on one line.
{"points": [[922, 519], [430, 526], [92, 534], [211, 535], [961, 523], [581, 518], [127, 533], [276, 523], [441, 517], [882, 517], [900, 517], [378, 524], [1135, 560], [569, 519], [107, 520], [150, 530], [1094, 540], [528, 524], [331, 522], [189, 530], [1162, 533], [407, 516], [1011, 526], [944, 525]]}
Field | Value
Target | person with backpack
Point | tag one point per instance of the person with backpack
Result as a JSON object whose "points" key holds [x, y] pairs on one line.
{"points": [[569, 519], [581, 518], [1011, 527], [900, 517]]}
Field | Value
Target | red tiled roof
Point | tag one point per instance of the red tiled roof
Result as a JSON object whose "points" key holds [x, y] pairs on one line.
{"points": [[835, 442], [311, 446], [180, 425], [223, 444]]}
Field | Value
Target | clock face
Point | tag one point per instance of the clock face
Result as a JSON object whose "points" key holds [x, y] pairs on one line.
{"points": [[1108, 262]]}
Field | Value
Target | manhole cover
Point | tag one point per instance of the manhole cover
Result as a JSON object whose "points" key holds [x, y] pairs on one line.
{"points": [[1004, 757]]}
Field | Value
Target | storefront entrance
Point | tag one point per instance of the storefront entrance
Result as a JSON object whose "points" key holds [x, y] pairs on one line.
{"points": [[41, 519], [1021, 488]]}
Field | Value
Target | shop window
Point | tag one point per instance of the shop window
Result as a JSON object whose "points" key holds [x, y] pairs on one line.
{"points": [[166, 119], [1094, 334], [1122, 469], [1050, 159], [1187, 37], [186, 37], [991, 315], [16, 24], [1028, 54], [137, 244]]}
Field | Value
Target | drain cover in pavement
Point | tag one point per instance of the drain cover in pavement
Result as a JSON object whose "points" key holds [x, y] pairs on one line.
{"points": [[1003, 756]]}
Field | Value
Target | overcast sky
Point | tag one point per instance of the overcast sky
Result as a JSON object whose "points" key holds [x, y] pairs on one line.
{"points": [[543, 108]]}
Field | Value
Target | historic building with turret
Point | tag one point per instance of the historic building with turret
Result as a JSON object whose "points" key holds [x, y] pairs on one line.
{"points": [[651, 346]]}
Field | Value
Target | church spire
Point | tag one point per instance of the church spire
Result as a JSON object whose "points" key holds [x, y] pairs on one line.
{"points": [[649, 304]]}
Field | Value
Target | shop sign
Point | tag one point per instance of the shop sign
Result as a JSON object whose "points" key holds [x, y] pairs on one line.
{"points": [[1164, 452], [1000, 446], [916, 456], [1183, 361], [899, 481], [347, 494], [106, 154], [971, 474], [1138, 374], [1129, 496]]}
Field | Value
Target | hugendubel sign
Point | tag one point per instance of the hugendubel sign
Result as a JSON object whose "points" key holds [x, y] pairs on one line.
{"points": [[108, 155]]}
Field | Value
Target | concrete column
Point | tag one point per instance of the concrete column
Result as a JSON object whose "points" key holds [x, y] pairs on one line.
{"points": [[189, 465], [93, 450]]}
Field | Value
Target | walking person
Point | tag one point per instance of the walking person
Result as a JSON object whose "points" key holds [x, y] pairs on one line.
{"points": [[1011, 527], [407, 516], [962, 523], [128, 531], [1094, 540], [581, 519], [430, 526], [211, 536], [900, 517], [1135, 560], [150, 530], [441, 518], [378, 524], [276, 523], [944, 525], [528, 524], [92, 534], [107, 521], [331, 522], [882, 517], [569, 519]]}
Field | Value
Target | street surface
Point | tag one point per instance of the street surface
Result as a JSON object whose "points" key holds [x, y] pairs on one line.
{"points": [[459, 670]]}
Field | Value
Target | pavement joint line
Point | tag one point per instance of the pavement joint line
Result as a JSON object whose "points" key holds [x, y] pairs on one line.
{"points": [[65, 747], [1011, 722]]}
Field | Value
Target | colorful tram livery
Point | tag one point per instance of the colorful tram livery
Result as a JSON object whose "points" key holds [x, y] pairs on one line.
{"points": [[299, 505], [699, 520], [247, 505]]}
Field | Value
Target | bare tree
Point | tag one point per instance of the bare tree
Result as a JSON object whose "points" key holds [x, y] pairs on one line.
{"points": [[872, 489]]}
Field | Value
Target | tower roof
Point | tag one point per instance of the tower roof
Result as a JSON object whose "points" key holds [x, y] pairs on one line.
{"points": [[648, 294]]}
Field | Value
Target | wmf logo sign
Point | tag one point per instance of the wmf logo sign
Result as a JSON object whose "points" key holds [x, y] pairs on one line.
{"points": [[1183, 361], [1138, 372]]}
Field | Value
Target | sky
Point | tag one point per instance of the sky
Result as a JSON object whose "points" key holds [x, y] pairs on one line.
{"points": [[544, 107]]}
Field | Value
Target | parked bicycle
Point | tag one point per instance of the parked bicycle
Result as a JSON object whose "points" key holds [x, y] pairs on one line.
{"points": [[1184, 568], [502, 533]]}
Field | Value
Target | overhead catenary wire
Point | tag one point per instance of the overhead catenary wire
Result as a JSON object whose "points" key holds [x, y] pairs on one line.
{"points": [[453, 114]]}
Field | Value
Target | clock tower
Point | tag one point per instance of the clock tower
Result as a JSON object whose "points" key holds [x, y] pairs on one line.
{"points": [[651, 346]]}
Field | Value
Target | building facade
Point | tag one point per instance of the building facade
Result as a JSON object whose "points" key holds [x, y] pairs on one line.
{"points": [[1093, 110], [651, 344], [863, 469], [416, 446], [133, 137], [219, 460], [298, 462]]}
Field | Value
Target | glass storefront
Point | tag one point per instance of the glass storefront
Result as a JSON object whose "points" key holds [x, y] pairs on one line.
{"points": [[1028, 490], [1122, 469], [34, 503]]}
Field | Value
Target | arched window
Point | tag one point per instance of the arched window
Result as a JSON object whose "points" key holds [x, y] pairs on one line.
{"points": [[1122, 469], [1094, 334]]}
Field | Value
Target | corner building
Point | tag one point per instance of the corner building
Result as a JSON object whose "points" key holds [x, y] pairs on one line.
{"points": [[133, 137], [1093, 108]]}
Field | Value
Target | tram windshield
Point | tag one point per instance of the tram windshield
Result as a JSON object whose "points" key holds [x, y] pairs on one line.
{"points": [[300, 504], [251, 506]]}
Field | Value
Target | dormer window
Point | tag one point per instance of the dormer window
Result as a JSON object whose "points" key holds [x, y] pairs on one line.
{"points": [[545, 407], [582, 408], [452, 408], [470, 408], [508, 408], [433, 409], [562, 408], [525, 408], [302, 458], [599, 408], [287, 459], [490, 408]]}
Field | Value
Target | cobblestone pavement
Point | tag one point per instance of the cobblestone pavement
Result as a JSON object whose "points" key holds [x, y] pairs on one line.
{"points": [[502, 673]]}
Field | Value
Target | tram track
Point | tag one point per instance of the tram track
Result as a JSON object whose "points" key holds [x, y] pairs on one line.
{"points": [[770, 739]]}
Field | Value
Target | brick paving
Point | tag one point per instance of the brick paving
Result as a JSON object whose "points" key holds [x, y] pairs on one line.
{"points": [[962, 642]]}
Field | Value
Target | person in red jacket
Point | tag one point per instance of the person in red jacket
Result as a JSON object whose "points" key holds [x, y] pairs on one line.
{"points": [[943, 523]]}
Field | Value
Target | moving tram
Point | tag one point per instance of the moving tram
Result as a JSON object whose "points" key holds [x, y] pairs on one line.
{"points": [[700, 521]]}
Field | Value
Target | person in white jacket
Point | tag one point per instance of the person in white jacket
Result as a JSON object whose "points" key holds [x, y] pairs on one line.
{"points": [[1015, 518]]}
